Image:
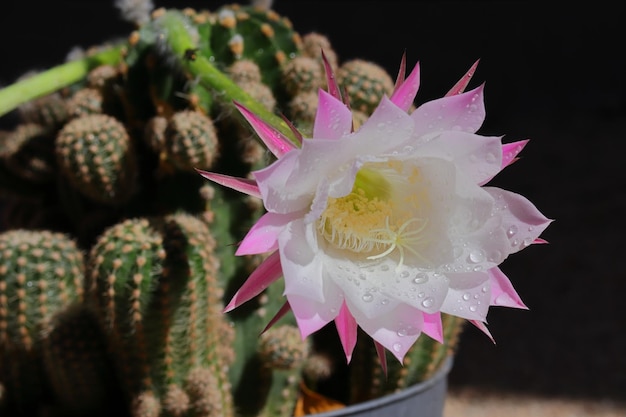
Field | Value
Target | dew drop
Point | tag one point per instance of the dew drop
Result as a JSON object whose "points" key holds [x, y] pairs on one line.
{"points": [[384, 267], [476, 256], [397, 347], [421, 294], [405, 274], [402, 332], [527, 242], [428, 302], [384, 301], [362, 275], [466, 296], [367, 297], [511, 231], [420, 278], [477, 268], [485, 289], [472, 308]]}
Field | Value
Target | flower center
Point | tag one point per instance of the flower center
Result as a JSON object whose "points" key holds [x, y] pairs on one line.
{"points": [[370, 221]]}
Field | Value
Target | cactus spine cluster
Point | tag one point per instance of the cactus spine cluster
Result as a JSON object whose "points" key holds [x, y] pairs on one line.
{"points": [[116, 256]]}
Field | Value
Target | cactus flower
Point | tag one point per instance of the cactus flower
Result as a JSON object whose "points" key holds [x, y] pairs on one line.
{"points": [[387, 226]]}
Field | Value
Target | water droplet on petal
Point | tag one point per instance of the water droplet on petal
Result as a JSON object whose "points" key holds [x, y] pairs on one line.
{"points": [[466, 296], [405, 274], [472, 308], [397, 347], [476, 256], [420, 278], [367, 297], [402, 332], [428, 302], [362, 275], [511, 231], [384, 267]]}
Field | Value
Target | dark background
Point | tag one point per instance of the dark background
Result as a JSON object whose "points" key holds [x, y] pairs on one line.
{"points": [[556, 75]]}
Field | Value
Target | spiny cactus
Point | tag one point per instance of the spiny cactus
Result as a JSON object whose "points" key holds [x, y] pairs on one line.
{"points": [[131, 123], [366, 83], [156, 284], [191, 141], [244, 32], [96, 155], [40, 273]]}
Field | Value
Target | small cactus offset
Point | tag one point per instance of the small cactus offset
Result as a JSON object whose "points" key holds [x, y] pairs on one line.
{"points": [[118, 257]]}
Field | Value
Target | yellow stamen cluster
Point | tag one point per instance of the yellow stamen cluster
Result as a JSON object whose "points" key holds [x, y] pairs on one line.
{"points": [[367, 221]]}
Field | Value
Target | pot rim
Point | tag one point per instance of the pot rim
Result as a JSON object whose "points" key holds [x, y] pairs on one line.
{"points": [[380, 402]]}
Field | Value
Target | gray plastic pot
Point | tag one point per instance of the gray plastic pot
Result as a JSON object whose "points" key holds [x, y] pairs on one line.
{"points": [[425, 399]]}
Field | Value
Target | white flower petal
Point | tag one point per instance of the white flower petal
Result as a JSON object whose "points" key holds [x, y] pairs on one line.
{"points": [[396, 330], [333, 119], [387, 129], [467, 301], [521, 221], [301, 265], [478, 157], [277, 197], [461, 112], [312, 315]]}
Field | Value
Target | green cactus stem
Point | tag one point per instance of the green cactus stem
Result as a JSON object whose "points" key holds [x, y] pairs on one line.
{"points": [[179, 40], [55, 78]]}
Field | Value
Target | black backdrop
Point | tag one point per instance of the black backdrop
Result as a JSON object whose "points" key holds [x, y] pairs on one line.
{"points": [[556, 75]]}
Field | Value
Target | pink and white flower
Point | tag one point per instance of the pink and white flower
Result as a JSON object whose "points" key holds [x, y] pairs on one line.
{"points": [[386, 227]]}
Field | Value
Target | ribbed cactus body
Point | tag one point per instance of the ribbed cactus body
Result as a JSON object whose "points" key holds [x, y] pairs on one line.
{"points": [[77, 365], [191, 141], [365, 82], [41, 273], [96, 155], [263, 36], [159, 302]]}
